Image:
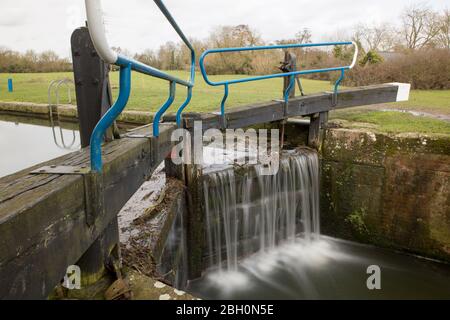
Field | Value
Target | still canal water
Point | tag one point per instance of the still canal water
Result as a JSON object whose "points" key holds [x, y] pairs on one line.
{"points": [[24, 145]]}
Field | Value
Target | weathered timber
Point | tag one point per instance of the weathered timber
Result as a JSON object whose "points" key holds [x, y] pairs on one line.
{"points": [[316, 123], [101, 256], [195, 225], [43, 223], [288, 65], [92, 73], [300, 106], [91, 83]]}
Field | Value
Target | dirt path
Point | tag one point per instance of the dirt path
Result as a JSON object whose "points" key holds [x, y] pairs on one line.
{"points": [[439, 116], [418, 113]]}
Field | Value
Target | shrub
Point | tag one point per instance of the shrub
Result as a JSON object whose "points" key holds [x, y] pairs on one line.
{"points": [[423, 69], [371, 57]]}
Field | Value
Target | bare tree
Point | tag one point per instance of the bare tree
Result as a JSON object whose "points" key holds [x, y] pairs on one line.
{"points": [[244, 35], [443, 37], [148, 57], [232, 36], [122, 51], [374, 38], [303, 36], [169, 56], [420, 26]]}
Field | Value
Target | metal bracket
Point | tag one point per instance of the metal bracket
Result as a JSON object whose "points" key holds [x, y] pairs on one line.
{"points": [[66, 170], [93, 187], [285, 110], [135, 136], [334, 98], [224, 122]]}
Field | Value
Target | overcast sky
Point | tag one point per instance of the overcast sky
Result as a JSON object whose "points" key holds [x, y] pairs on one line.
{"points": [[138, 24]]}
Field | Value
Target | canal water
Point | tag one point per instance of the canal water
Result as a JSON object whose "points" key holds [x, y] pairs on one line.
{"points": [[326, 268], [24, 145], [264, 242]]}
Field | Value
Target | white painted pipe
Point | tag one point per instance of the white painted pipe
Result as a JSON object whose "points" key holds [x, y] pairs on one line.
{"points": [[355, 57], [96, 27]]}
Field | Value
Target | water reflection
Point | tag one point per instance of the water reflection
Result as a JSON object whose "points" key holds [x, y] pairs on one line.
{"points": [[53, 89], [58, 137], [24, 145]]}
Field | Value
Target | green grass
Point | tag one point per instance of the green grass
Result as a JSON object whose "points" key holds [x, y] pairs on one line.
{"points": [[433, 101], [148, 94], [393, 122]]}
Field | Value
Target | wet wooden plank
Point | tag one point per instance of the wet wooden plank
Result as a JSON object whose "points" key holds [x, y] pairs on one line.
{"points": [[43, 217]]}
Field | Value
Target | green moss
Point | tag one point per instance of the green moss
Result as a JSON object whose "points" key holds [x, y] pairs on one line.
{"points": [[371, 184], [356, 220]]}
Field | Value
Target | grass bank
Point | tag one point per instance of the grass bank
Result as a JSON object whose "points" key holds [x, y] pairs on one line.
{"points": [[148, 94]]}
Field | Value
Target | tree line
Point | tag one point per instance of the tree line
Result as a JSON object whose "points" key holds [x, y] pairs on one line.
{"points": [[31, 61], [419, 29], [420, 34]]}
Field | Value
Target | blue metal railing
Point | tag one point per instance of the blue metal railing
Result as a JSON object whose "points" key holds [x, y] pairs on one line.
{"points": [[292, 75], [97, 32]]}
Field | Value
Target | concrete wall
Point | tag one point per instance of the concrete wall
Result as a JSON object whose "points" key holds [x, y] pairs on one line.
{"points": [[392, 191]]}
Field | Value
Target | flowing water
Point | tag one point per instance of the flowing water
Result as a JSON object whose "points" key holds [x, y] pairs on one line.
{"points": [[264, 242], [252, 212]]}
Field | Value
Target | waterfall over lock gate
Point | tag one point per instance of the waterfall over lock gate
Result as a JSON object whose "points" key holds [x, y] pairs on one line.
{"points": [[248, 212]]}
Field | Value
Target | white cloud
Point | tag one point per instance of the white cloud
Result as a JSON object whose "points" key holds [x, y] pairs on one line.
{"points": [[138, 24]]}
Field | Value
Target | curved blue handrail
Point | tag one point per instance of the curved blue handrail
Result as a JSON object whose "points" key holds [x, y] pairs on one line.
{"points": [[169, 17], [164, 108], [109, 117], [292, 75], [126, 64]]}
